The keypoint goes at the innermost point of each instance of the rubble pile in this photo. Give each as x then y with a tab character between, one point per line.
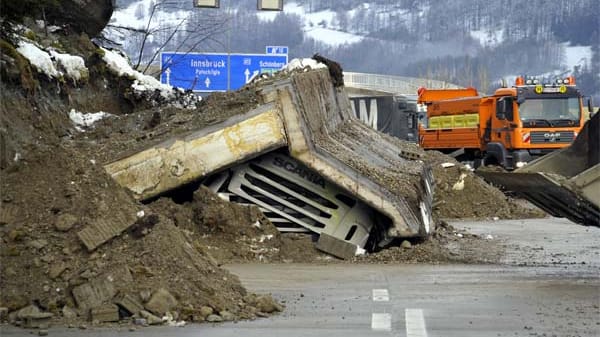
78	249
75	247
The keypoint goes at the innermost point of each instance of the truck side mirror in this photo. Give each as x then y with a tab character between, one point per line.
590	105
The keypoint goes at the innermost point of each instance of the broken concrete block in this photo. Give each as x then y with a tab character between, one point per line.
266	304
214	318
37	244
94	293
27	311
57	269
336	247
150	318
104	229
206	311
105	313
119	275
161	302
406	244
8	214
32	317
65	222
69	313
129	303
226	315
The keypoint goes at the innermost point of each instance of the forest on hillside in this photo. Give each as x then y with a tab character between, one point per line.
425	38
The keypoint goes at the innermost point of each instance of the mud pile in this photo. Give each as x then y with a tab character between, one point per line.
53	187
462	194
165	267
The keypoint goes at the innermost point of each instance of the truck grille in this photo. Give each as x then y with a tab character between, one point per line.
295	198
549	137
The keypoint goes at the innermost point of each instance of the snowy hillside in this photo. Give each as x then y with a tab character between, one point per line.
472	42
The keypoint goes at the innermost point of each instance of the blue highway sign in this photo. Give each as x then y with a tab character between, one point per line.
276	50
244	67
193	71
206	72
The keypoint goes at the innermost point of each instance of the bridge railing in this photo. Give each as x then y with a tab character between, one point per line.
396	84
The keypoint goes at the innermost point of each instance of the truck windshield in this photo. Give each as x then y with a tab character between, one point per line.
551	110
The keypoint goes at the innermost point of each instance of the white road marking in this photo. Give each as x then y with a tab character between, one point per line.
415	323
380	295
381	322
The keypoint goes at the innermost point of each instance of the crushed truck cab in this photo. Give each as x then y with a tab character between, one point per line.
305	120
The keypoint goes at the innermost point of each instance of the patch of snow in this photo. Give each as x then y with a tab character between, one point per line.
321	26
144	84
40	59
333	37
576	55
288	8
50	62
128	16
86	119
488	38
303	64
73	65
141	82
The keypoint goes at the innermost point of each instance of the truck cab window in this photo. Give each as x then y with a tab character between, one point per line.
504	108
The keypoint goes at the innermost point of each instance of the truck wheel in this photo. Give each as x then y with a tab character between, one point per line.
490	161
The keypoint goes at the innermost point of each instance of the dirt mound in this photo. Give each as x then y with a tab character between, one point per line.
58	213
54	190
460	193
446	245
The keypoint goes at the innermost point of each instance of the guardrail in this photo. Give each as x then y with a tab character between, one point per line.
394	84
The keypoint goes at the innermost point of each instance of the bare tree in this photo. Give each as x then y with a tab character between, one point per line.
181	35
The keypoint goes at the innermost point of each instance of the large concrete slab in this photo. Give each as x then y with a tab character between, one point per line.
313	119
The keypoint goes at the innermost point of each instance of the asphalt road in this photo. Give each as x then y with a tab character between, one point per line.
547	285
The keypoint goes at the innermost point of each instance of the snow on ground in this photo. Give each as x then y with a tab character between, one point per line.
72	64
488	38
332	37
320	26
304	63
576	55
53	63
136	16
40	59
86	119
142	82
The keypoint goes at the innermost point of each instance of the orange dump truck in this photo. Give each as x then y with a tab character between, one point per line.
509	128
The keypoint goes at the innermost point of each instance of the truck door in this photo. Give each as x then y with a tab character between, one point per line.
502	126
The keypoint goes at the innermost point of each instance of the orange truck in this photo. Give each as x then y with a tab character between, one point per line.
509	128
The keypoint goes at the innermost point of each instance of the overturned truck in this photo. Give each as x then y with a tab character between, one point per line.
303	159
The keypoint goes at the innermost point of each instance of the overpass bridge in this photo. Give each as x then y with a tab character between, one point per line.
399	85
